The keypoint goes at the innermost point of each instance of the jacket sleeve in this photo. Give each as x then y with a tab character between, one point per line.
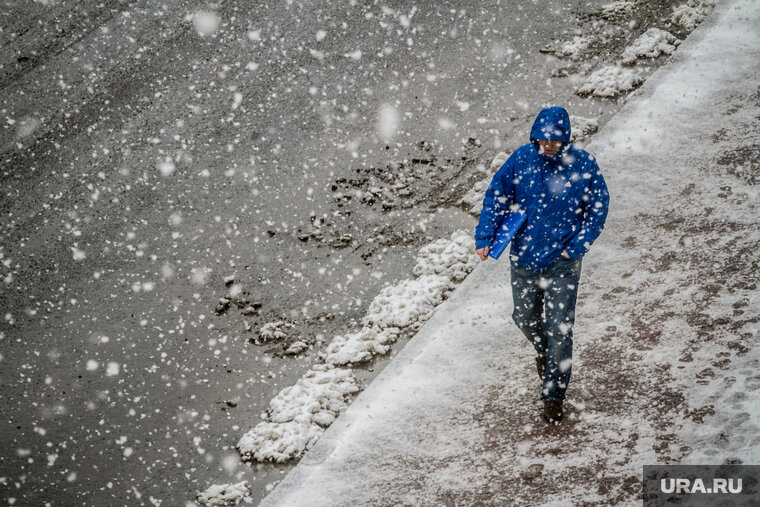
595	206
498	198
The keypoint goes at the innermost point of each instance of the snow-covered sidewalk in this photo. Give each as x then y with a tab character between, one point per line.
666	366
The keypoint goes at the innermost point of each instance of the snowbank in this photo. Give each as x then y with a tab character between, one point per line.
360	346
440	265
453	258
407	303
299	414
610	81
651	44
582	128
692	13
220	495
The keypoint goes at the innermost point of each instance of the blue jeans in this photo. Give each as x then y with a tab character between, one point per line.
544	311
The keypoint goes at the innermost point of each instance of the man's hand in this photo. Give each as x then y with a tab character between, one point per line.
483	252
565	254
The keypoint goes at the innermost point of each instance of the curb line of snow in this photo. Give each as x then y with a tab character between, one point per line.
299	414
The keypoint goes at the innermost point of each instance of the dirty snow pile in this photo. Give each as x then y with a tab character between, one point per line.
575	47
474	197
651	44
296	347
274	330
692	13
221	495
581	128
610	81
617	10
360	346
299	414
453	258
408	304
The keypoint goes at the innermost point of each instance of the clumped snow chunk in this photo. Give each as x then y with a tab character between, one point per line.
651	44
299	414
273	330
220	495
453	258
582	128
407	303
617	10
610	81
166	167
692	13
411	302
575	47
296	348
360	346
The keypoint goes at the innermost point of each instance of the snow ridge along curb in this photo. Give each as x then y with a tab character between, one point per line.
299	414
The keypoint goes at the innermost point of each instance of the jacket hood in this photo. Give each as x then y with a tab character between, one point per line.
552	123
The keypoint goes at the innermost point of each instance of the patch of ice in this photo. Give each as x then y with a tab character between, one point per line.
692	13
610	81
582	128
220	495
651	44
299	414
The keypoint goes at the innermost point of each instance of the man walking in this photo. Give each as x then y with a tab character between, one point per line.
563	193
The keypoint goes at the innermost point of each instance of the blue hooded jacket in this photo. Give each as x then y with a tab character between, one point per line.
565	197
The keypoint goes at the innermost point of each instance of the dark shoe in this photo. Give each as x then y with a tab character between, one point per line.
541	366
553	411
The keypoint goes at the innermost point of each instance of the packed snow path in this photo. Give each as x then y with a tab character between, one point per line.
666	356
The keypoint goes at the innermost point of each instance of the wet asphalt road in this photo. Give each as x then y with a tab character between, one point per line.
144	162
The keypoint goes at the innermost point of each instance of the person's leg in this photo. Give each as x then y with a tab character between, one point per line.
559	311
528	299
